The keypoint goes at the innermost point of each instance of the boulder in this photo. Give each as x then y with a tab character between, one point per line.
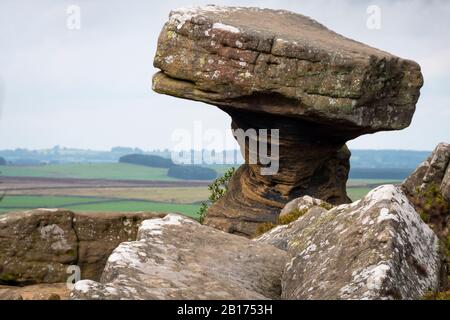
37	246
275	69
281	235
374	248
100	233
302	203
178	258
43	291
428	189
433	171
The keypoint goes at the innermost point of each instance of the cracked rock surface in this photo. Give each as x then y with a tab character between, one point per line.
178	258
37	246
374	248
274	69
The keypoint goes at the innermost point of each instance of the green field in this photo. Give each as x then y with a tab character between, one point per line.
113	171
18	203
357	193
183	200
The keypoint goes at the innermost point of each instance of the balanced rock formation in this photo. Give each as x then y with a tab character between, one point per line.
374	248
37	246
274	69
178	258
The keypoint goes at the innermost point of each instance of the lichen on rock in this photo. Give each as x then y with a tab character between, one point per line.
275	69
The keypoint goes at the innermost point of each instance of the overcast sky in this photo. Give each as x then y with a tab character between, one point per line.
91	88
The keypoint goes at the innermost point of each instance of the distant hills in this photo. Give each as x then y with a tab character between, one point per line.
364	159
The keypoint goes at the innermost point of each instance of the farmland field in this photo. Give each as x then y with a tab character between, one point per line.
16	203
116	187
113	171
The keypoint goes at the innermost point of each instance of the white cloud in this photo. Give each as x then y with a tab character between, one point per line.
60	86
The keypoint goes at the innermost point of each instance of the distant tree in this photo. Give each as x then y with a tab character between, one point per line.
147	160
190	172
2	161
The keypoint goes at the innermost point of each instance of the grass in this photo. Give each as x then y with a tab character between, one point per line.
18	203
364	182
357	193
182	195
114	171
39	201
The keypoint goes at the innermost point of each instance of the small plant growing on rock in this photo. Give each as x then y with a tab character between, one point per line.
287	218
217	188
291	216
432	207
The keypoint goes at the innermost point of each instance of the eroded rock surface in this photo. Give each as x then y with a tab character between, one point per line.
302	203
428	189
53	291
375	248
274	69
435	170
37	246
178	258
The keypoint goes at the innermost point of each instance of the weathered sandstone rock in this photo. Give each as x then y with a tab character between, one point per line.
274	69
302	203
375	248
178	258
433	171
43	291
281	235
100	233
37	246
428	189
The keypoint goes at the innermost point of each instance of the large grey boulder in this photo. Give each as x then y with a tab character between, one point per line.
178	258
375	248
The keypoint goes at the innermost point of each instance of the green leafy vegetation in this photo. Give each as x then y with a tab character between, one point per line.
432	206
217	189
435	211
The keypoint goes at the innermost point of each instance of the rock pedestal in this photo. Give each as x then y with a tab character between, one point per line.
274	69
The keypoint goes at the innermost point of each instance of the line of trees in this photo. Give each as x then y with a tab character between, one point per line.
185	172
2	161
147	160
